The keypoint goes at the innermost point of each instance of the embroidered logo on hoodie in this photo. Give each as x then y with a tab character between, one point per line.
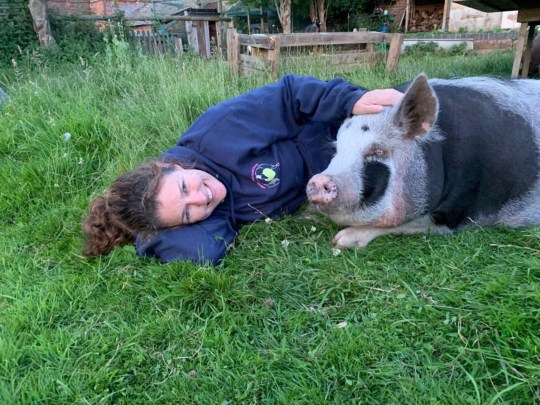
265	175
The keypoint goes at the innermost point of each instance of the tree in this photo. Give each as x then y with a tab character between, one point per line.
38	10
284	14
317	11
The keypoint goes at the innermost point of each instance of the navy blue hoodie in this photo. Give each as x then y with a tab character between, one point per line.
264	146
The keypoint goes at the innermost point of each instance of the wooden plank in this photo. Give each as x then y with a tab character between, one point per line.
273	55
329	48
529	15
527	51
178	47
219	38
498	5
143	18
289	40
341	58
334	38
192	37
144	41
257	40
392	59
519	49
233	51
254	63
478	5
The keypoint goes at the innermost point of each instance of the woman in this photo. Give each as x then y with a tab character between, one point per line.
244	159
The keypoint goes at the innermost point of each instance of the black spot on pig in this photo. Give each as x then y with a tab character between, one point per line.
488	162
375	179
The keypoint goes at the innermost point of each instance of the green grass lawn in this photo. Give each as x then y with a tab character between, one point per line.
285	319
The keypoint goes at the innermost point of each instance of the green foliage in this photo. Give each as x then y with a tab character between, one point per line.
76	39
344	15
422	47
431	47
285	319
16	32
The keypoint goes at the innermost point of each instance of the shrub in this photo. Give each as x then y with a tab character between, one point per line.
16	31
431	47
76	38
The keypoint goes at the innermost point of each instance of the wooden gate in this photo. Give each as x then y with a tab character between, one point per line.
343	50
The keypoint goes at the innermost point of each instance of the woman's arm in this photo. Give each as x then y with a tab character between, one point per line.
271	113
204	242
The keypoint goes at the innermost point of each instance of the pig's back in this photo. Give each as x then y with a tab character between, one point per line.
490	153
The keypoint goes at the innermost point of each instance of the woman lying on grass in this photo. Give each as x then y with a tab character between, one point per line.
244	159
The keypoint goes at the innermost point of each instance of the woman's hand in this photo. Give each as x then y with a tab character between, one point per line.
373	101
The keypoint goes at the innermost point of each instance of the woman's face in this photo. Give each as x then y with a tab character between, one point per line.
186	196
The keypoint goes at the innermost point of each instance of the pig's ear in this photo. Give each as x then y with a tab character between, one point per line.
417	112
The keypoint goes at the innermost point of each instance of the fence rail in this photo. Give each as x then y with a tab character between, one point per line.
343	50
157	43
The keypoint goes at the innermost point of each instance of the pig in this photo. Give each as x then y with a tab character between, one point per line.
453	153
534	66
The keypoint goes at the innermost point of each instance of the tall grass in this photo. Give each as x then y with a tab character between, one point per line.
414	319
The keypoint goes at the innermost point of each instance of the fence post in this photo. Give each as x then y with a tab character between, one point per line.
233	51
273	55
392	59
146	42
178	48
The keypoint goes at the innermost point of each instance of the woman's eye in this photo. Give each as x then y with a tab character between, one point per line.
184	187
187	216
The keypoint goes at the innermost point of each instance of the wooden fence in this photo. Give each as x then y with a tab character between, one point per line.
152	42
342	50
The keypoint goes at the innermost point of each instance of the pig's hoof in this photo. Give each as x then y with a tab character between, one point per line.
352	238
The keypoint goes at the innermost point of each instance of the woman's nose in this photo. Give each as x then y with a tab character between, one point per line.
197	197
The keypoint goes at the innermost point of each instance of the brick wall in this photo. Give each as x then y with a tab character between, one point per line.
398	9
96	7
68	7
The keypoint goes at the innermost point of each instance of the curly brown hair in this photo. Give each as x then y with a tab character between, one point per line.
127	208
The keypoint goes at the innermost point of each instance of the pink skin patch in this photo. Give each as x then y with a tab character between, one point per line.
426	126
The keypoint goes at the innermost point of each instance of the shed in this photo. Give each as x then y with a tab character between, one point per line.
137	14
528	16
201	28
448	15
259	19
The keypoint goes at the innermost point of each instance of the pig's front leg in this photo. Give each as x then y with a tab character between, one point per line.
356	236
360	236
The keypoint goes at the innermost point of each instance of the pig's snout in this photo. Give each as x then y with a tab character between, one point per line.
321	190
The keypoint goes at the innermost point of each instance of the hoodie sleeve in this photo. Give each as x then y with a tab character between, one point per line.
272	113
204	242
311	99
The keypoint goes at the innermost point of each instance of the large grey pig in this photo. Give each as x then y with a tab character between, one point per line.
453	153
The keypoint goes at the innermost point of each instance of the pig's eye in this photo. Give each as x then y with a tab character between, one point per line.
376	152
365	128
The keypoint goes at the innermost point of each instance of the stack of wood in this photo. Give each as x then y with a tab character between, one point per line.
426	19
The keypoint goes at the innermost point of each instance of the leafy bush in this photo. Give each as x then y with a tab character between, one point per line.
76	38
16	32
431	47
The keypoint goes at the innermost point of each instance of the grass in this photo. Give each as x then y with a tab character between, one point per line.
409	319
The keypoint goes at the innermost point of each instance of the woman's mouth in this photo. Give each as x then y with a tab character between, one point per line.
209	194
